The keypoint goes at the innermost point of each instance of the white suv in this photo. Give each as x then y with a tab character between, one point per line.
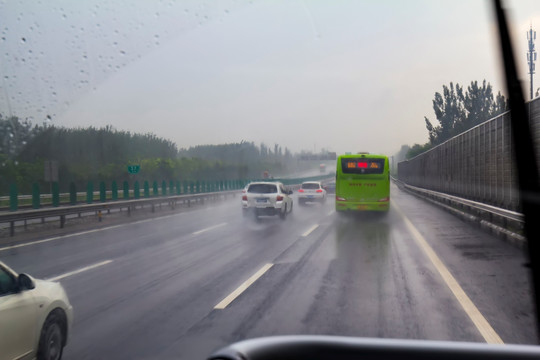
311	191
35	317
266	198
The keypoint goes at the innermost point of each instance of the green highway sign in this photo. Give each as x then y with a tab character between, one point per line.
133	169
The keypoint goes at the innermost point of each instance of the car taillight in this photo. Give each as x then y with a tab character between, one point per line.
339	198
244	197
300	190
279	198
386	199
319	191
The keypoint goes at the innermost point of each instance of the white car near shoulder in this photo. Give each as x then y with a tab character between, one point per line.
35	317
266	198
311	191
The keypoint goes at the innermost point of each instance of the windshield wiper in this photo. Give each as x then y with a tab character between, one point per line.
525	156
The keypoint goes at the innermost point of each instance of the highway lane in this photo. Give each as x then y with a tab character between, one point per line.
325	274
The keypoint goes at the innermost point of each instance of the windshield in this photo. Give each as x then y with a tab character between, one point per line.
262	188
130	132
311	186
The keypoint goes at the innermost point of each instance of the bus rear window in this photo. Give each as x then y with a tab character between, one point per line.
362	166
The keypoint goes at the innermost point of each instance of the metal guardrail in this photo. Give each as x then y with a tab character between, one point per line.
49	196
96	194
62	211
507	222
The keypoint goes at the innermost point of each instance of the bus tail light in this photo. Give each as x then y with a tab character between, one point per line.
339	198
319	191
300	190
279	198
244	197
386	199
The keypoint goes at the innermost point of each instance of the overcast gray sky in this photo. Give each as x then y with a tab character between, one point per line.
341	75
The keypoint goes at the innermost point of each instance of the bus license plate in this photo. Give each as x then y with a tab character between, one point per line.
362	207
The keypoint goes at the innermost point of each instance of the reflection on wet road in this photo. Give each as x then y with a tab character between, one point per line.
317	272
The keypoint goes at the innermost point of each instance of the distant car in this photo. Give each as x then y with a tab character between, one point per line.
330	188
311	191
266	198
35	317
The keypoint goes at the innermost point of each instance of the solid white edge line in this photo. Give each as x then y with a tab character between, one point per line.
232	296
310	230
209	228
483	326
89	267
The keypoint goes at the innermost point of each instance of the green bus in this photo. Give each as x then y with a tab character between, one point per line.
362	183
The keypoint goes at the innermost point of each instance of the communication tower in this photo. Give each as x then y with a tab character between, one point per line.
531	55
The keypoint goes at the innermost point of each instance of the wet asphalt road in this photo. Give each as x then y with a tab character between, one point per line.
327	274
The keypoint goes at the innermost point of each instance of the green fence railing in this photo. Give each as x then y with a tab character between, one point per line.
156	189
